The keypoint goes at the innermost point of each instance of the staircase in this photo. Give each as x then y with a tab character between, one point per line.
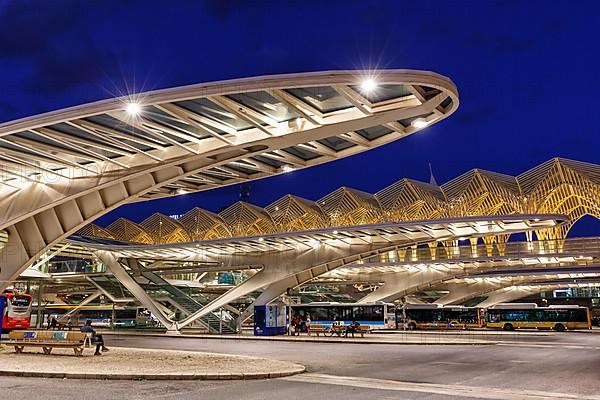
184	302
111	286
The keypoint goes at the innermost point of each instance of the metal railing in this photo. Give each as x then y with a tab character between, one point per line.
576	247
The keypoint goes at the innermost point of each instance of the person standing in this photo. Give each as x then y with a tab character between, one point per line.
308	324
48	322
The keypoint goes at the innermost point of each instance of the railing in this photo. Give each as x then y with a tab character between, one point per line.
78	267
111	286
576	247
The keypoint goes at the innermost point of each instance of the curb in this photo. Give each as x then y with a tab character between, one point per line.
156	377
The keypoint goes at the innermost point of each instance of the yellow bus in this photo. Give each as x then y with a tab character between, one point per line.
434	316
510	316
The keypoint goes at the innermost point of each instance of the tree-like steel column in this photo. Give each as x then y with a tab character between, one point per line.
127	280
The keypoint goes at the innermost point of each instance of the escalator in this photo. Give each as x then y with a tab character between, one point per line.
110	286
157	286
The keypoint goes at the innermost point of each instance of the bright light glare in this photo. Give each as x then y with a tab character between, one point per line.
420	123
182	191
368	85
313	243
133	108
287	168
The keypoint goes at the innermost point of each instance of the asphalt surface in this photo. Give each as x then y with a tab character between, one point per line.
542	365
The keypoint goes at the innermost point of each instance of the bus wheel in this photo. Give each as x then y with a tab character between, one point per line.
559	328
412	326
508	327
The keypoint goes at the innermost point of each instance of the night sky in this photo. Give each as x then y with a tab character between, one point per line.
527	73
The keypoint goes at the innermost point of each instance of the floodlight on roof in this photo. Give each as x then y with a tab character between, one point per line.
368	85
420	123
133	108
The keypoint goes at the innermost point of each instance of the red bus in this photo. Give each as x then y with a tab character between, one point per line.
16	311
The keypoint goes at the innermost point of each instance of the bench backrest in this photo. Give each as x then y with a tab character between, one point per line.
58	336
78	336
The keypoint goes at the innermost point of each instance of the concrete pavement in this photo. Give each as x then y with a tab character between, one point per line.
541	366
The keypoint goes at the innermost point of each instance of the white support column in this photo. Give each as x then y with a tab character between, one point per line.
85	302
413	300
126	280
399	284
462	292
506	295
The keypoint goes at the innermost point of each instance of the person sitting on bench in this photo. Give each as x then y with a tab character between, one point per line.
97	339
352	328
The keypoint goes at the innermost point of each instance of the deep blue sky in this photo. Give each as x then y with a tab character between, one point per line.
527	73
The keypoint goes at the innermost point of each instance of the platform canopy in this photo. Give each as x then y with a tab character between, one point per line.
61	170
384	234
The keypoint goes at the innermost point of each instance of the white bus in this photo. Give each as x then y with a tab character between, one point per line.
377	315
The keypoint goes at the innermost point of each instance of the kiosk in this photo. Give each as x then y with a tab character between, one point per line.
270	320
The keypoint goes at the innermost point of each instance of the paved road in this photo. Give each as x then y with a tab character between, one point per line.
527	366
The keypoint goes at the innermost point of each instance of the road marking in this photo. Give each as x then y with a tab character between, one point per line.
520	361
450	363
539	342
436	388
548	346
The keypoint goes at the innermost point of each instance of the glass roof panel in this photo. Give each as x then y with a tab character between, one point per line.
264	103
302	153
78	133
170	121
336	143
214	175
407	121
208	109
446	102
430	92
240	168
110	122
269	161
43	140
323	98
374	132
384	92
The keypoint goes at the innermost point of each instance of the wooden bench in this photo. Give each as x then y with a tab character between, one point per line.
318	329
339	330
48	340
360	330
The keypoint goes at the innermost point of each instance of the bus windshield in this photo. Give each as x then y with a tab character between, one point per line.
20	301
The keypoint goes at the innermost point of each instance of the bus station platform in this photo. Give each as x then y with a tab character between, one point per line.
142	364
